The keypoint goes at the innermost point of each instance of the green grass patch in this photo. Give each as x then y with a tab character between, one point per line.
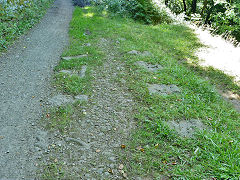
59	118
53	170
213	153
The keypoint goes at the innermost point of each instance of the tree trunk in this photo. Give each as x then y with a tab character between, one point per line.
204	7
184	5
194	6
166	2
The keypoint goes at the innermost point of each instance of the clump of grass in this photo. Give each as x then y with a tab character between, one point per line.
53	170
59	118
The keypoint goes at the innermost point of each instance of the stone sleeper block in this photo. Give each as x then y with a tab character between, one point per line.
81	97
83	71
67	58
149	67
66	71
60	99
77	141
144	53
186	128
134	52
163	89
87	44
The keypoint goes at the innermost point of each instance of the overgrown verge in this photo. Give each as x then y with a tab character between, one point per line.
156	151
163	151
18	16
222	16
140	10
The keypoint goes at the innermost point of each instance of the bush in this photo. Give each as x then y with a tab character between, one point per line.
140	10
227	22
16	16
222	16
81	3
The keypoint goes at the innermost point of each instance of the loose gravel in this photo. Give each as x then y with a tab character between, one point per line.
25	72
90	148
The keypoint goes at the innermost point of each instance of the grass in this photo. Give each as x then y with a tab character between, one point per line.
212	153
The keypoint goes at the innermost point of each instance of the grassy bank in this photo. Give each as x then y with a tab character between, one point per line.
17	17
156	151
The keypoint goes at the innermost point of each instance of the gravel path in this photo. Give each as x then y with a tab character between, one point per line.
107	124
90	149
25	71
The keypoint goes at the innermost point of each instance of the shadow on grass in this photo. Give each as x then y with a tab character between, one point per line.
216	77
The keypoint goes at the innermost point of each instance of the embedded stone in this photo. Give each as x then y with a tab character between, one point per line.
60	99
186	128
87	32
87	44
83	71
144	53
81	97
149	67
67	58
66	71
134	52
122	39
163	89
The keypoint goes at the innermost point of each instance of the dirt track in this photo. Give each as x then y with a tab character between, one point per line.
25	71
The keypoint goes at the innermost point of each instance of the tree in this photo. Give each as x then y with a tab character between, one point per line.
184	6
194	6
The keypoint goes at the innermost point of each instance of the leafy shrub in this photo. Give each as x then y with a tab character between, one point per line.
141	10
223	16
146	11
227	21
81	3
16	16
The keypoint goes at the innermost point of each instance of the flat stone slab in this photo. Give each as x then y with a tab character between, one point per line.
83	71
81	74
66	71
149	67
77	141
87	44
67	58
144	53
186	128
163	89
60	99
81	97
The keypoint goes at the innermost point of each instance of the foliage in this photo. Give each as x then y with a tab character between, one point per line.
227	21
16	16
223	16
141	10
